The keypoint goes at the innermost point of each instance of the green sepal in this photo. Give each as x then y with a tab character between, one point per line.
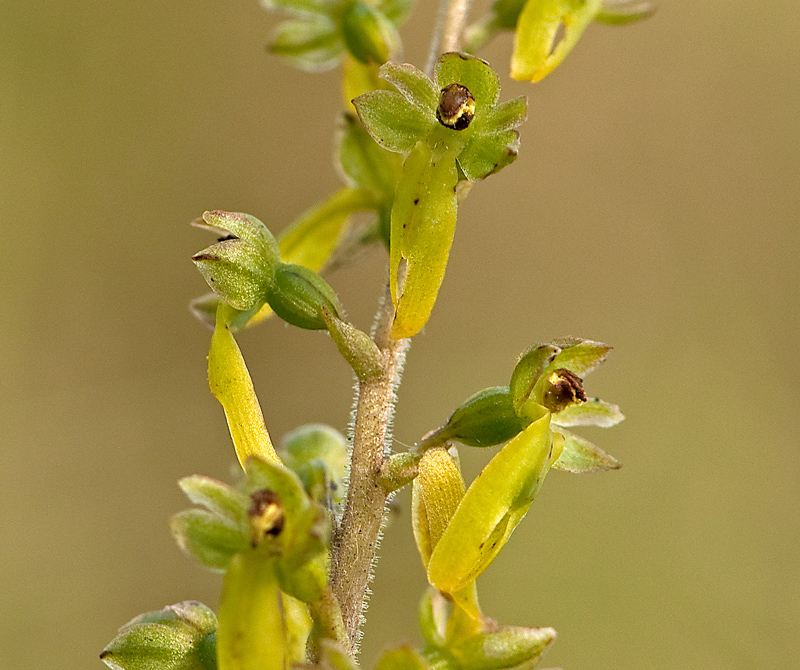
218	498
205	309
622	12
403	658
433	618
392	121
365	163
298	295
423	223
580	356
492	507
506	13
305	581
535	55
316	449
471	72
580	456
178	637
485	155
485	419
311	44
333	656
316	441
368	35
243	226
508	647
297	618
233	269
252	631
395	10
298	7
505	116
593	412
527	372
208	538
240	267
412	83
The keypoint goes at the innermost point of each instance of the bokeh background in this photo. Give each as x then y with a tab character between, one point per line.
654	206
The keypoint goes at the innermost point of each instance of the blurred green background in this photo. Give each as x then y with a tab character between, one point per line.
654	206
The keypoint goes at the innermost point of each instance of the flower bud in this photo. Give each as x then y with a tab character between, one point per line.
298	295
369	35
179	637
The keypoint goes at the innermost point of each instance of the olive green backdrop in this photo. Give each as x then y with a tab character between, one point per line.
654	206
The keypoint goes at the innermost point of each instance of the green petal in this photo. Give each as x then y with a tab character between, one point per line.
404	658
528	371
507	12
207	538
508	647
580	356
488	154
536	52
412	83
300	7
505	116
579	455
244	226
395	10
471	72
432	618
217	497
622	12
394	122
594	412
493	506
365	163
312	45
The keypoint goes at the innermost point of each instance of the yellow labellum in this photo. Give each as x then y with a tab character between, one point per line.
230	383
492	507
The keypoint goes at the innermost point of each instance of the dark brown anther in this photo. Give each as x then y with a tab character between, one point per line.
456	107
266	516
563	388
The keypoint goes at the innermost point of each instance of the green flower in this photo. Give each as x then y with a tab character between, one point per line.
320	32
545	31
544	398
450	128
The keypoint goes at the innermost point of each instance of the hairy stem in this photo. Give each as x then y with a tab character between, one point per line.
357	540
449	27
